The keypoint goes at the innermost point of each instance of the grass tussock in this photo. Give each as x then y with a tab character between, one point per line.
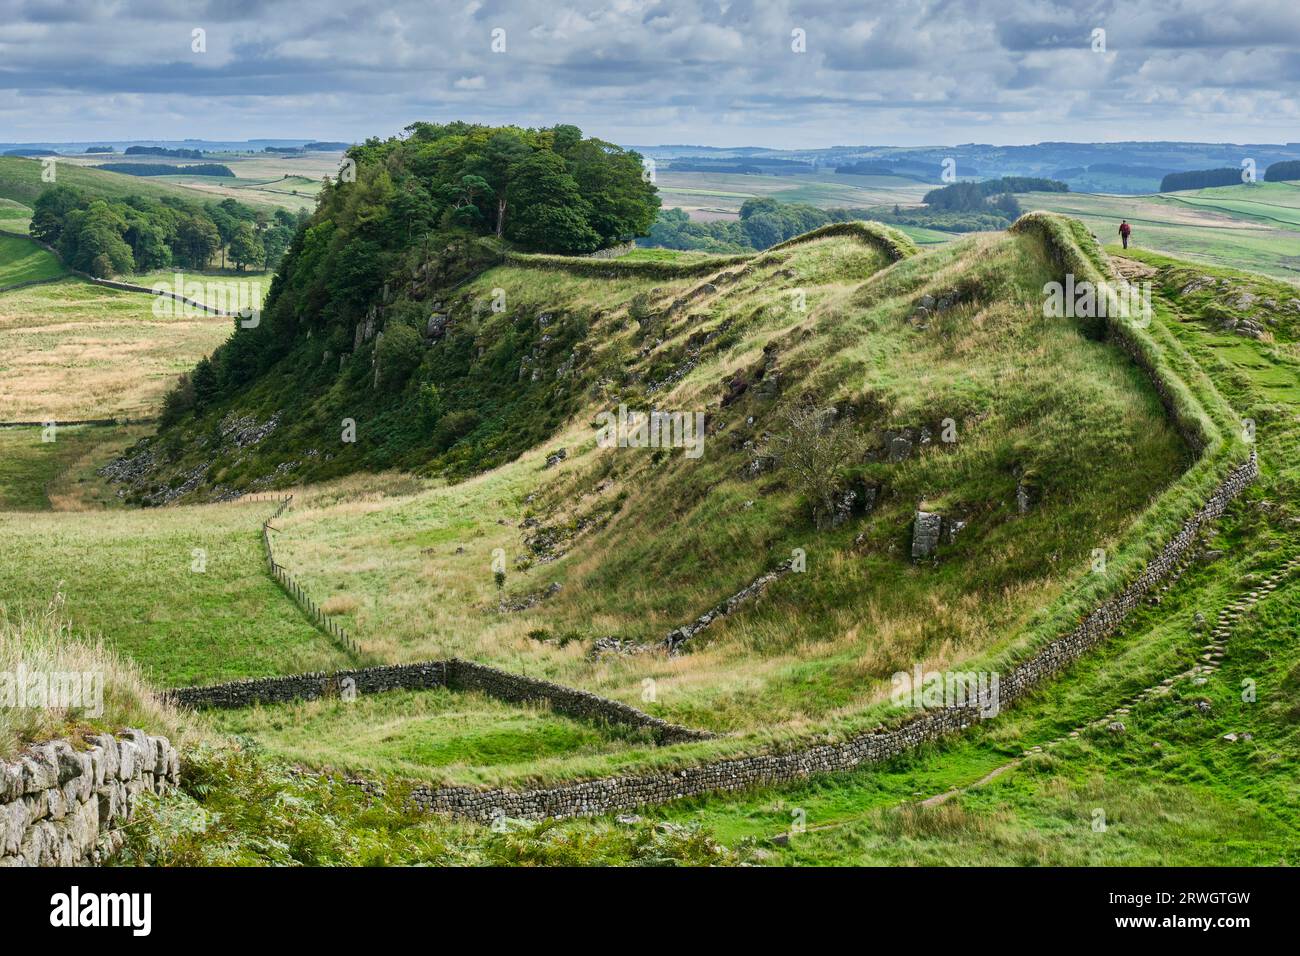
339	604
56	684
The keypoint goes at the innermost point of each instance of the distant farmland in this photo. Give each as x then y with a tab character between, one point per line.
1254	227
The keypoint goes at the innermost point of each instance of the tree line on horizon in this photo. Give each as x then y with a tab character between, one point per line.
1283	171
167	169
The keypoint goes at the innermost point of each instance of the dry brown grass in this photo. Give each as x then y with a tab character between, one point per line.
340	604
72	350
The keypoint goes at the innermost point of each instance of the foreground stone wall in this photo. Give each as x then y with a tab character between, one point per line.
65	806
454	674
593	797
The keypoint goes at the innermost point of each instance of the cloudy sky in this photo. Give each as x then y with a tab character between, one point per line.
716	72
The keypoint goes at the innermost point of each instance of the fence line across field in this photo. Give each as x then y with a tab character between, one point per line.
296	591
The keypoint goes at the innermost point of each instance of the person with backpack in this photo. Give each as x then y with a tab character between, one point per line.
1124	231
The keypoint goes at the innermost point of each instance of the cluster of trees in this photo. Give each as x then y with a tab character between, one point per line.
548	190
165	151
991	195
1227	176
998	215
674	229
1283	172
167	169
432	196
762	223
1201	179
140	234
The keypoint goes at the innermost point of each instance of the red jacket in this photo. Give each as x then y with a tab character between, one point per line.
1125	229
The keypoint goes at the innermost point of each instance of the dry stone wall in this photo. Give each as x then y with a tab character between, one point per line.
515	688
612	252
592	797
679	636
454	674
64	806
312	686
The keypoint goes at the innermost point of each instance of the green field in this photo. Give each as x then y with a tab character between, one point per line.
24	261
14	217
135	578
456	737
261	180
1254	227
20	180
37	475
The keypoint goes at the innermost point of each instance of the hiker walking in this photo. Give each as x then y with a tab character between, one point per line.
1124	230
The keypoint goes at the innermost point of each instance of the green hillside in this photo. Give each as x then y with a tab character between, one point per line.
25	261
642	540
1039	409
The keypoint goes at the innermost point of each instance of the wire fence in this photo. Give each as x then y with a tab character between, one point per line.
296	590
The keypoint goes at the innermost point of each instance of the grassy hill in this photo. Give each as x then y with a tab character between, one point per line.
1171	788
1059	446
1040	408
23	261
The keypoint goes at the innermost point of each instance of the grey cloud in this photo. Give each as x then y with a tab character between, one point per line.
646	70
